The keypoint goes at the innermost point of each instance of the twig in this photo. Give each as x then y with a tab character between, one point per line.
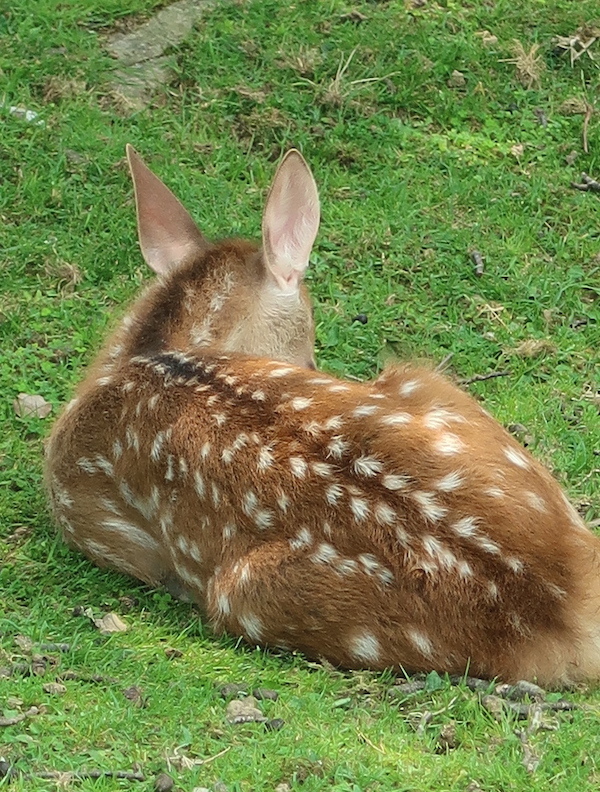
482	377
10	771
477	259
588	114
588	184
441	366
82	775
364	738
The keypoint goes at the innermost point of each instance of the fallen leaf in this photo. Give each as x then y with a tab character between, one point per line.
487	39
517	150
110	623
54	689
244	711
534	347
26	405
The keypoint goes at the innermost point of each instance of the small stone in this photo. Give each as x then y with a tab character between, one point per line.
447	738
163	783
521	690
135	694
457	80
283	788
265	694
362	318
219	786
110	623
244	711
171	654
494	705
233	689
54	689
275	724
24	642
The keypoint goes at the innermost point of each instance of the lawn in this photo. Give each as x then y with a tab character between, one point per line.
444	138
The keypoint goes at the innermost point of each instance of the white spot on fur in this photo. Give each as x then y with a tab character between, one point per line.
516	457
249	502
280	372
199	485
153	401
194	552
226	455
347	566
396	419
450	482
252	626
220	418
302	539
487	545
324	554
322	469
169	475
421	642
133	440
536	502
439	552
215	493
205	450
430	509
448	444
367	466
259	395
117	449
365	646
364	410
394	482
86	465
298	466
71	404
223	604
337	447
439	418
493	589
466	526
338	388
360	508
515	564
282	501
229	531
495	492
333	494
263	518
333	423
384	514
300	403
265	458
407	388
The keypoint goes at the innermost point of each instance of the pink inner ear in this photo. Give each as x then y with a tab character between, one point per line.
167	233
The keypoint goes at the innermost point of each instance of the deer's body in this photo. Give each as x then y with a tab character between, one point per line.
391	523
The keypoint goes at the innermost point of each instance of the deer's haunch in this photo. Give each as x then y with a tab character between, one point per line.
391	523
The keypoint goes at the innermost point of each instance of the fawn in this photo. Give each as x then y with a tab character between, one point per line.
384	524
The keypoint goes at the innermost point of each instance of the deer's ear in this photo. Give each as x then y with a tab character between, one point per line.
166	231
290	221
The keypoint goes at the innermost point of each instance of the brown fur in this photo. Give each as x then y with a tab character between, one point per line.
391	523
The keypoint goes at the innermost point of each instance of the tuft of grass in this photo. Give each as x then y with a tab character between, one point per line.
416	170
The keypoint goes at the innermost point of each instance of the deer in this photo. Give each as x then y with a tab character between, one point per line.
385	524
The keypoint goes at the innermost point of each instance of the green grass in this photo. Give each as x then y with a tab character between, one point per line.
413	174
